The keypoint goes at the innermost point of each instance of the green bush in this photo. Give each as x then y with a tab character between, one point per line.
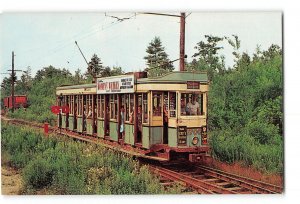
231	146
262	132
38	173
67	167
246	114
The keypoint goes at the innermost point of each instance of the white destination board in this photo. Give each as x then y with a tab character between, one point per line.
122	84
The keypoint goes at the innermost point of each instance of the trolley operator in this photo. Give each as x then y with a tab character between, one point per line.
193	108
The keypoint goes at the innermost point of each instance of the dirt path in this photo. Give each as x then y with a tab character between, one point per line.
11	181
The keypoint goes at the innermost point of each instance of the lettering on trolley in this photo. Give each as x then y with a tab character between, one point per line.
182	134
193	85
204	136
123	84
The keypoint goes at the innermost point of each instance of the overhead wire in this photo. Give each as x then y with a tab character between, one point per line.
60	47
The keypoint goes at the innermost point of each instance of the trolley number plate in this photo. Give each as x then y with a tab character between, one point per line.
182	135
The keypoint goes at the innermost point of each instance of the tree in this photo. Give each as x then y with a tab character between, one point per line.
106	72
24	85
273	51
244	62
78	77
6	87
95	67
115	71
207	53
236	44
157	59
51	72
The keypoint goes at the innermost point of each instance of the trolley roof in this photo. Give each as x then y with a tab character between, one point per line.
175	77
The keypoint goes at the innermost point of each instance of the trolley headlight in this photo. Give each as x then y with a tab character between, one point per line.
195	140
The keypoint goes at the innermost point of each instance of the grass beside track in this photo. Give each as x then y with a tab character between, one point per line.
59	165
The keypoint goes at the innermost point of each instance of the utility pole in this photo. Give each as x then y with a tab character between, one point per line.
13	82
13	75
182	42
182	55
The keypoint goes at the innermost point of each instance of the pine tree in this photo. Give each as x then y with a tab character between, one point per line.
157	59
95	67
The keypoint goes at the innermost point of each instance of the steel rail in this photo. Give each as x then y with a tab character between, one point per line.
197	184
248	183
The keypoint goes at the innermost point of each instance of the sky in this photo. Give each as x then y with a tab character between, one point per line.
41	39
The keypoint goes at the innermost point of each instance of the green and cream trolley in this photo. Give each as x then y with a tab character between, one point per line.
162	116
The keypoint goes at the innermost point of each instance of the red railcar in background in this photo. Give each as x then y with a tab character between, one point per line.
20	101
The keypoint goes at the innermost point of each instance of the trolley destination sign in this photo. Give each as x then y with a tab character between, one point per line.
122	84
193	84
182	135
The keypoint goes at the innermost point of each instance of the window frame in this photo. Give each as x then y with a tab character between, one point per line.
113	102
175	104
201	103
145	94
160	103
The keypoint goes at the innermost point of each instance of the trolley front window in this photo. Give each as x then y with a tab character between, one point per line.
191	104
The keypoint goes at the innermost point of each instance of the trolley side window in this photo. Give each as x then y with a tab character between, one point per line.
191	104
98	105
145	108
71	105
157	104
131	108
126	106
172	104
113	106
89	110
79	105
75	105
102	109
111	102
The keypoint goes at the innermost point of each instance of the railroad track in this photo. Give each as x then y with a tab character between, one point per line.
201	179
206	180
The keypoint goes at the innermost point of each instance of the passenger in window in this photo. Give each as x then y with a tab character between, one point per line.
89	115
107	118
145	118
122	122
183	107
165	115
194	106
188	107
131	117
84	113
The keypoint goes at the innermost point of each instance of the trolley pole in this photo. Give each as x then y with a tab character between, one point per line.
182	41
82	53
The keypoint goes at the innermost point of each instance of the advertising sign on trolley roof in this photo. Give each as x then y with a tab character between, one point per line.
114	85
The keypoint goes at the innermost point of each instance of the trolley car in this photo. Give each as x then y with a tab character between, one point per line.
163	117
19	101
